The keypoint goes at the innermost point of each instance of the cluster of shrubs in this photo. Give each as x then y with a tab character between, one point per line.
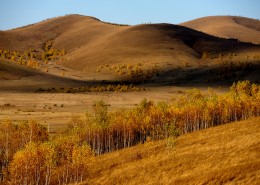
26	58
99	88
51	53
31	57
133	72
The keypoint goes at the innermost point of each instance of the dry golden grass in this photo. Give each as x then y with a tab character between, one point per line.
247	30
227	154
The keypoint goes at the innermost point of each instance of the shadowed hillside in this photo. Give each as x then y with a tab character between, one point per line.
241	28
15	77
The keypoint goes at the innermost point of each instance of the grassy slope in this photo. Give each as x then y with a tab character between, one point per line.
226	154
244	29
90	42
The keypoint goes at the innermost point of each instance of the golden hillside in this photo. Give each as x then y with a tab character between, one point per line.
227	154
241	28
90	42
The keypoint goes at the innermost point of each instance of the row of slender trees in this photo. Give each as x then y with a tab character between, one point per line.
106	132
28	155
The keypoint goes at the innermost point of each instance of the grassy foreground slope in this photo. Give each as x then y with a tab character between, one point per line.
227	154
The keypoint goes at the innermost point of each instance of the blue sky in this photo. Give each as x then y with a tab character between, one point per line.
16	13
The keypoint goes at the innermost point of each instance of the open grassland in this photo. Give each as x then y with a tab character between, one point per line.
227	154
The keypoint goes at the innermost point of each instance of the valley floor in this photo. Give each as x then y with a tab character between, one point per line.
56	109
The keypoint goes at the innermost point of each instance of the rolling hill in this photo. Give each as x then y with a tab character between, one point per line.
241	28
90	43
227	154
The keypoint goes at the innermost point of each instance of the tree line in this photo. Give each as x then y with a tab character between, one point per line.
109	131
